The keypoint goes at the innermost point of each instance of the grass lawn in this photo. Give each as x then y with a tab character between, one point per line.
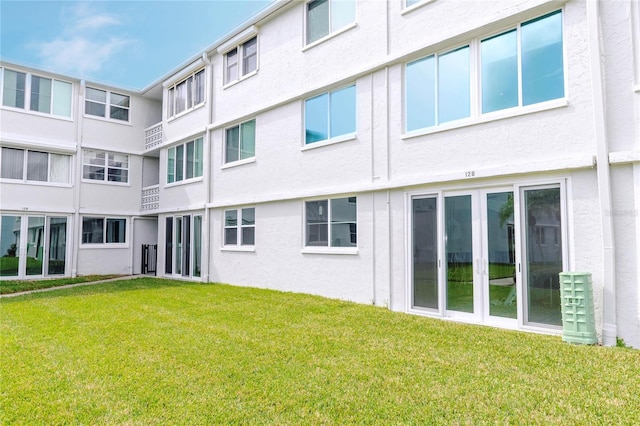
16	286
150	351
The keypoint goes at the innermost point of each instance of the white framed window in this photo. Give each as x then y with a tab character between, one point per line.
324	17
331	222
105	166
240	142
519	67
104	230
241	61
186	94
106	104
240	227
330	115
36	93
184	161
34	166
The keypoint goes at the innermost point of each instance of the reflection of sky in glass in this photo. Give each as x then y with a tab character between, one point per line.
453	85
499	72
542	64
316	118
420	97
343	111
342	13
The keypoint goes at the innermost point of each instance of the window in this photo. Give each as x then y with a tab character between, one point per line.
240	142
519	67
35	166
105	166
46	95
412	2
183	245
438	89
102	103
330	115
327	16
101	230
186	94
184	161
243	233
241	60
331	223
531	74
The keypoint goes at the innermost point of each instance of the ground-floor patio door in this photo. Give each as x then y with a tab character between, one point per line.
183	245
475	259
33	245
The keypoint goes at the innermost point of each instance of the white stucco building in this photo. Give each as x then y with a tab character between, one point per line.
438	157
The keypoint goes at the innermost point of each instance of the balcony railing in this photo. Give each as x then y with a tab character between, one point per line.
151	198
153	136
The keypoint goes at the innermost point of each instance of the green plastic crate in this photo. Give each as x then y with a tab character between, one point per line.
578	318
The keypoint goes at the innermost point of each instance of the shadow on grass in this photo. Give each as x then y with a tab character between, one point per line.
90	288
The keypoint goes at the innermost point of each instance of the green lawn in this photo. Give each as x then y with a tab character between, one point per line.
150	351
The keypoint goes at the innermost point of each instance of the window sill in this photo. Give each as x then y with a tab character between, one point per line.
241	79
36	183
320	144
105	182
94	246
415	6
487	118
107	120
37	113
329	36
186	112
238	163
245	249
636	88
184	182
330	250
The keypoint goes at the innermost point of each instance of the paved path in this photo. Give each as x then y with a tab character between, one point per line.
40	290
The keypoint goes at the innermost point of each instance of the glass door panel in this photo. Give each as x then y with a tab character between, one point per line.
35	245
543	254
459	253
178	245
57	245
9	245
500	254
425	252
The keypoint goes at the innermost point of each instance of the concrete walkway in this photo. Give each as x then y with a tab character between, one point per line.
40	290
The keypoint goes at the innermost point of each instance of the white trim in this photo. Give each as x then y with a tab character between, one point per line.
486	118
330	141
57	147
636	87
183	73
239	38
622	157
407	9
241	78
186	111
330	250
244	249
327	37
242	162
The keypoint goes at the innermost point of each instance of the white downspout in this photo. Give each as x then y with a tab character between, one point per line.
609	327
207	162
76	235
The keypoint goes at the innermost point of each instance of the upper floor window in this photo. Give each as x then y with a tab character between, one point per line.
327	16
240	227
523	66
241	60
104	230
35	166
330	115
105	166
519	67
331	223
184	161
45	95
438	89
106	104
240	142
186	94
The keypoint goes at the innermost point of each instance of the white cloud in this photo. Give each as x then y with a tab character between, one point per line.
85	42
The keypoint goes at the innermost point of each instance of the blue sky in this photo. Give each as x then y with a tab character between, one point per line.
129	44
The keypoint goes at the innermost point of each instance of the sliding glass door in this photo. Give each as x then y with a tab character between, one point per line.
493	257
183	245
32	245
